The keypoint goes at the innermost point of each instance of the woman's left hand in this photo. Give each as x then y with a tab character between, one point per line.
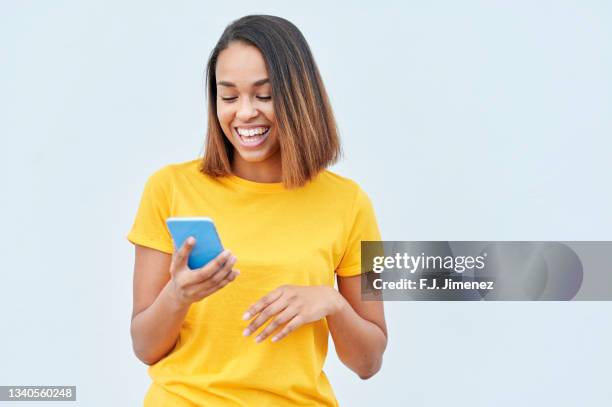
292	306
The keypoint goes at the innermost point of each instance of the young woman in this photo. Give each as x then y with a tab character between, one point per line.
212	338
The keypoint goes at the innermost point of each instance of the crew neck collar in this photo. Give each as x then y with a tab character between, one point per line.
254	186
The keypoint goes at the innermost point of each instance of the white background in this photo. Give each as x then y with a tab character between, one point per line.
471	120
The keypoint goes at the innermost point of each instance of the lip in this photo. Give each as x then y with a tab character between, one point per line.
251	126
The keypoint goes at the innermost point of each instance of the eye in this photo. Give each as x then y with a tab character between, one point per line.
264	97
229	99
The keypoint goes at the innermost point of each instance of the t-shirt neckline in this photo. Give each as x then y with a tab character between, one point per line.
253	185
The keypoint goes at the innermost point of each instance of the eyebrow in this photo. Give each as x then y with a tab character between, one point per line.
233	85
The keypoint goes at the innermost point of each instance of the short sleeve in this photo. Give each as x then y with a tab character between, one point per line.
362	227
149	228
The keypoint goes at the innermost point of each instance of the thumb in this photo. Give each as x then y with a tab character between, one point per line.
183	253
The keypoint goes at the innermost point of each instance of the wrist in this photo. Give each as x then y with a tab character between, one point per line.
337	302
173	298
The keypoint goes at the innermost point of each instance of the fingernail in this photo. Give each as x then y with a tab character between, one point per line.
274	338
246	316
258	339
190	240
246	332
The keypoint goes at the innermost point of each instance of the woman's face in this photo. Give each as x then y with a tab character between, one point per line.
244	103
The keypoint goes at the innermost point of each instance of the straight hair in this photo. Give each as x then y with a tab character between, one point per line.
305	123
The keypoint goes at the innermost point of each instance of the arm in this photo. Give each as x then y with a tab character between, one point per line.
358	329
164	289
157	315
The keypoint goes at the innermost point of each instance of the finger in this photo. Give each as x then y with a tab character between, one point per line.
235	273
208	290
294	324
231	277
267	313
277	322
220	275
182	255
262	303
211	280
212	267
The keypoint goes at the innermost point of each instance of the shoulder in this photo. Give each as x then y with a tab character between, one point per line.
164	182
169	173
342	186
330	179
358	213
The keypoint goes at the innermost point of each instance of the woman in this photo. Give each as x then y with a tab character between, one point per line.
289	223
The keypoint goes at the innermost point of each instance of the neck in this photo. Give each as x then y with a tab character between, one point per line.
267	171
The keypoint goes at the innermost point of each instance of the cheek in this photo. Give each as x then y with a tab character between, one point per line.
269	113
225	116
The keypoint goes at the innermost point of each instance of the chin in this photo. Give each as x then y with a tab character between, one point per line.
254	158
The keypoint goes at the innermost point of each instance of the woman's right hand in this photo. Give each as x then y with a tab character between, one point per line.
189	286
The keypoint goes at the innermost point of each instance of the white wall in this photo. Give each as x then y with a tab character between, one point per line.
462	120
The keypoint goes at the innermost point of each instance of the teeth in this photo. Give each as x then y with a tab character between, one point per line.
253	139
251	132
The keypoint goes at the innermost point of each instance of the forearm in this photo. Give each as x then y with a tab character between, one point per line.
156	329
359	343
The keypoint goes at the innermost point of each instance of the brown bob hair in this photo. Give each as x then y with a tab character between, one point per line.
307	131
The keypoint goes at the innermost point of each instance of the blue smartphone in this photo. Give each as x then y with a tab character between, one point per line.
207	246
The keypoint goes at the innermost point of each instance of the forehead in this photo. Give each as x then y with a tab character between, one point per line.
241	63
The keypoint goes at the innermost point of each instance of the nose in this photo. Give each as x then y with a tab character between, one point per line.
246	110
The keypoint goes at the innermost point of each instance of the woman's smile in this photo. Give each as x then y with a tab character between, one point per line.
252	137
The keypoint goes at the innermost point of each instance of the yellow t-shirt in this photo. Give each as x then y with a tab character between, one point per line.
279	236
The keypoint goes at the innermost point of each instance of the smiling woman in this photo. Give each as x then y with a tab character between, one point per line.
287	222
262	73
